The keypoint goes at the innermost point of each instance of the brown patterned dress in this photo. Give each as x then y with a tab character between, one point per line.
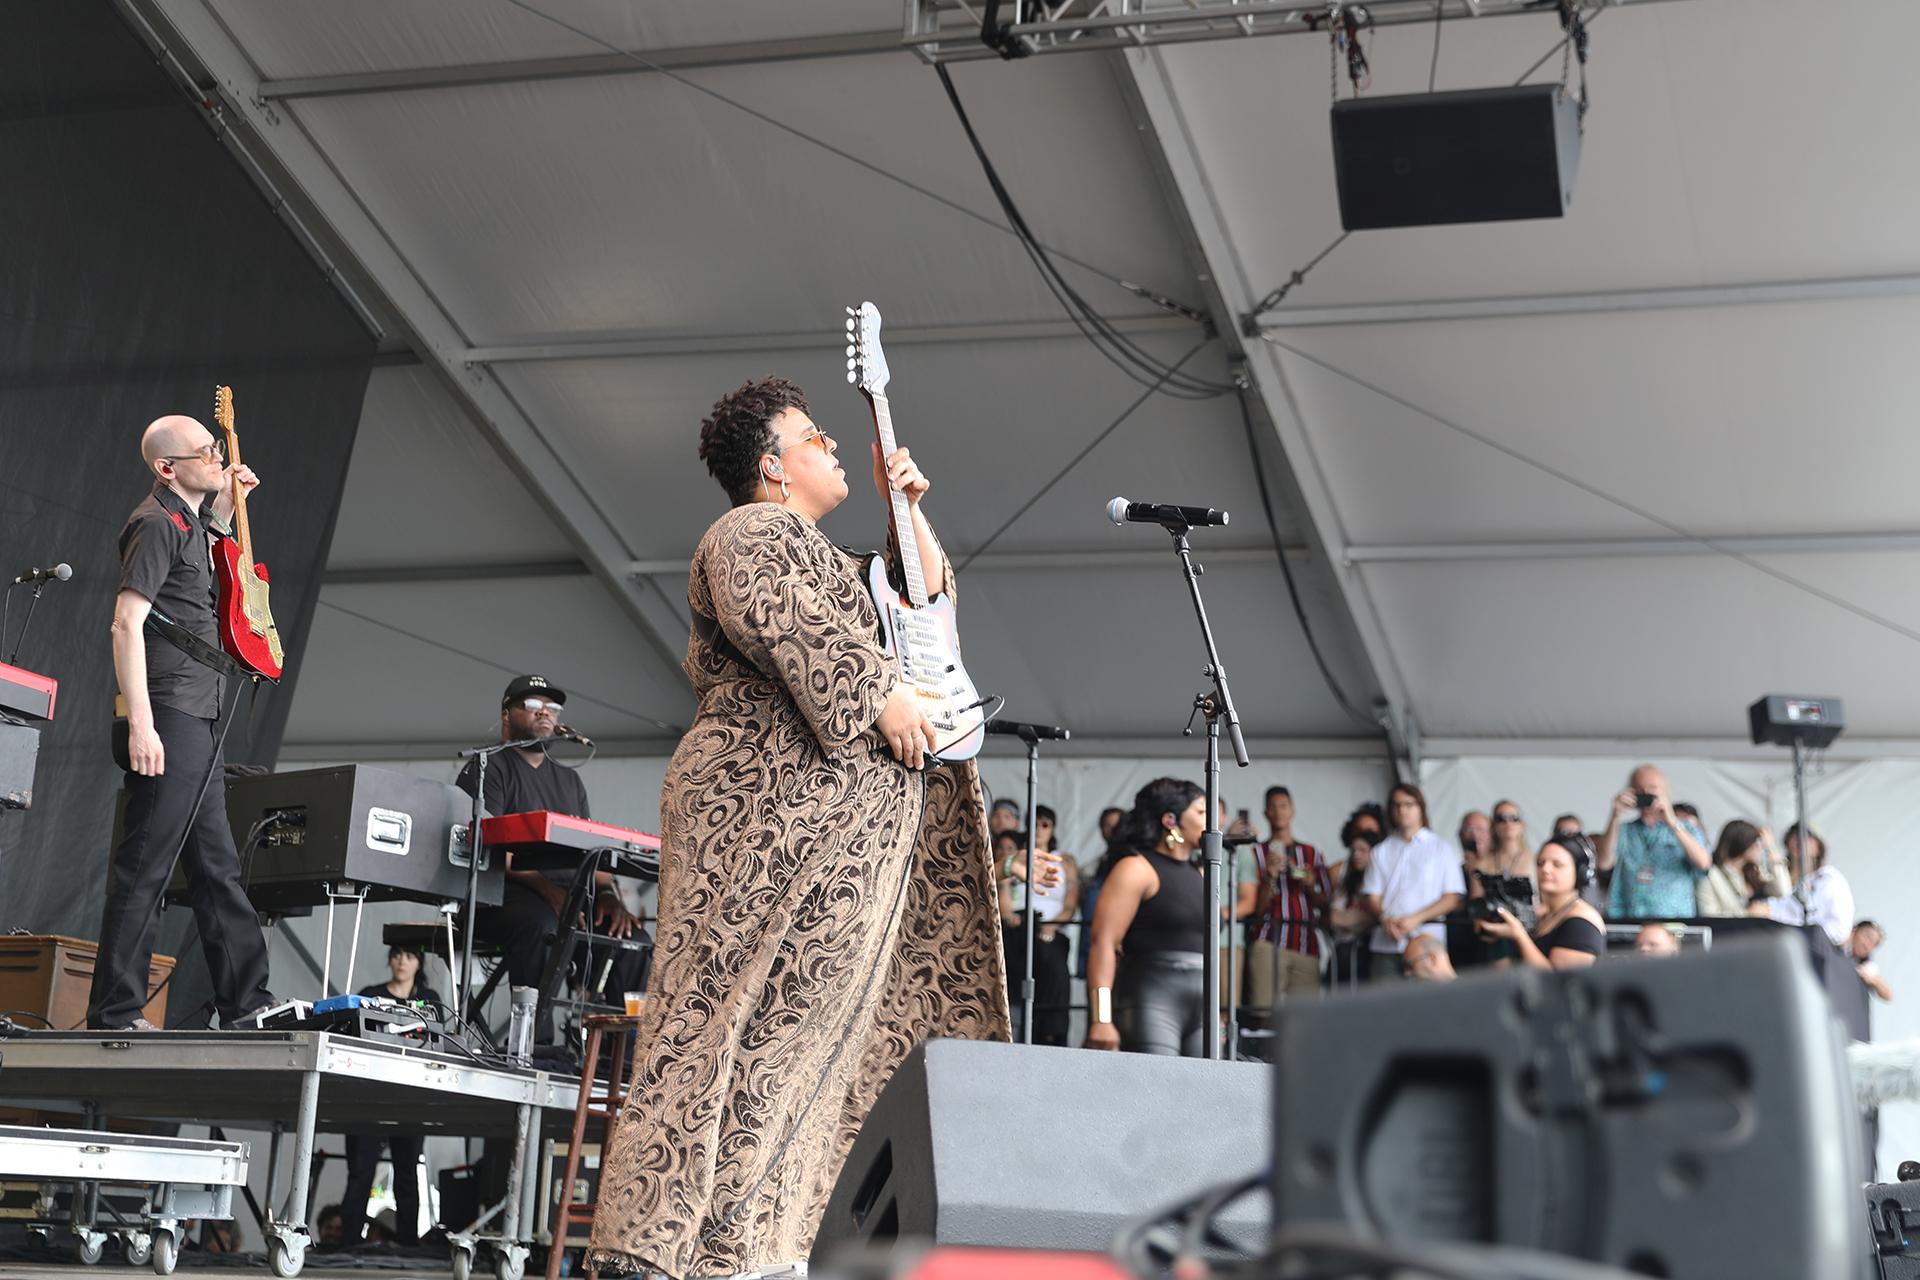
823	909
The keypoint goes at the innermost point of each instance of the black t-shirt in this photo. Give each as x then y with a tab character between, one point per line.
1575	934
515	786
164	556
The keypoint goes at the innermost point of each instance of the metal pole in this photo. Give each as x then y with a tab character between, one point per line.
1027	925
1210	851
1805	874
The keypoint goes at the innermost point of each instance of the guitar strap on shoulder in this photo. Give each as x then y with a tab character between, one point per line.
715	637
193	646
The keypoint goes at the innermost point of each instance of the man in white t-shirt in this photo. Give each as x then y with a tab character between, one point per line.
1413	882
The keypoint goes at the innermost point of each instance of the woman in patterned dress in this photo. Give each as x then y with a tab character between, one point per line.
825	904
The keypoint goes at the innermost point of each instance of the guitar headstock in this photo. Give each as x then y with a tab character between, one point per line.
223	408
866	362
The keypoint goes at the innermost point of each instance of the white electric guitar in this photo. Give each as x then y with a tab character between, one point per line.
922	634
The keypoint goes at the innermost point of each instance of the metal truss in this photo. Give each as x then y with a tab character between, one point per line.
951	30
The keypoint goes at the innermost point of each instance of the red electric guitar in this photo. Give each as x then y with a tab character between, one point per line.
247	632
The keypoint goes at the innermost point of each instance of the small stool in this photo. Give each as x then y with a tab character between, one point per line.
601	1029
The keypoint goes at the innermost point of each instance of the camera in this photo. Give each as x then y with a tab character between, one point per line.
1644	799
1515	893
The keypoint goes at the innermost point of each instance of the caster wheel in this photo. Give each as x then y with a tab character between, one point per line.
166	1253
285	1259
462	1264
88	1249
139	1249
508	1266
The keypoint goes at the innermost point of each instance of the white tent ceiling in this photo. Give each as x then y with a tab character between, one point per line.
583	262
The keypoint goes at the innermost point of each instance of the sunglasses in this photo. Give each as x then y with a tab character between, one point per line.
818	437
212	451
1506	817
538	704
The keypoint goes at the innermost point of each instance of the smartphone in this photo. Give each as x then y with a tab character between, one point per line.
1244	818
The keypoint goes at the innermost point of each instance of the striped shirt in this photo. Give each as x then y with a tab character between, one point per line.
1290	919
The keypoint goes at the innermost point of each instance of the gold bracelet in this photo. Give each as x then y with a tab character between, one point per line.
1103	1004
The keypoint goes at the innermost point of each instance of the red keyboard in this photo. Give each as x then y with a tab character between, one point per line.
27	693
540	838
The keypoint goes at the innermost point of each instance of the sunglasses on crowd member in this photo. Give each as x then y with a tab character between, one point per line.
1506	817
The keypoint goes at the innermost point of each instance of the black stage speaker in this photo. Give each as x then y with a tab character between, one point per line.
398	835
1684	1116
976	1143
1475	155
1893	1229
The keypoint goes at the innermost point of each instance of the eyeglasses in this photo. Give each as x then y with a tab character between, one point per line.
211	451
819	437
538	704
1506	817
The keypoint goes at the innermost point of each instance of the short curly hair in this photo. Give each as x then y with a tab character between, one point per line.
741	429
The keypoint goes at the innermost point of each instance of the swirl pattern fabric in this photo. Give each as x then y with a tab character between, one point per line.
822	911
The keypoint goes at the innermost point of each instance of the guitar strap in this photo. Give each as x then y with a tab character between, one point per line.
714	636
193	646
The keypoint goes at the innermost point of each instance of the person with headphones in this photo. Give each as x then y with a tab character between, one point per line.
1570	933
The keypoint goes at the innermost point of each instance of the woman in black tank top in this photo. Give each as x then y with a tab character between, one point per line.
1145	967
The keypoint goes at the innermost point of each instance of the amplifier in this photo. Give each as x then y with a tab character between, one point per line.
396	835
19	753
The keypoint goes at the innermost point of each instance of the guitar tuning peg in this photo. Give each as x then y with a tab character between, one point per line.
849	351
851	366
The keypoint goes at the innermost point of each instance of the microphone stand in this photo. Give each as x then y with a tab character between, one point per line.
1216	705
1027	926
480	756
32	604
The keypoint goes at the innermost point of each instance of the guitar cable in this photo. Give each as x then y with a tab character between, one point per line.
999	703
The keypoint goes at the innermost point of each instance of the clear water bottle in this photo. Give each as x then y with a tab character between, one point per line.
520	1024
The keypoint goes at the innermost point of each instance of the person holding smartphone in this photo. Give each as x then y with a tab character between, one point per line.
1656	858
1283	957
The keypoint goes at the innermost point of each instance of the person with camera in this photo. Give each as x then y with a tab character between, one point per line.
1569	933
1654	856
1413	883
1828	898
1295	889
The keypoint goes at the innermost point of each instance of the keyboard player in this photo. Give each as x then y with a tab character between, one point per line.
527	779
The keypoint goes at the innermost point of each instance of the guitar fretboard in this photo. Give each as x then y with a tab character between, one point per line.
902	516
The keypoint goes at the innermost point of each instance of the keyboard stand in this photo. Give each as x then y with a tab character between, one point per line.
569	937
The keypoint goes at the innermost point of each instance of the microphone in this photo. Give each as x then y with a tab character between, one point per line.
571	735
1235	842
1029	732
1120	511
59	573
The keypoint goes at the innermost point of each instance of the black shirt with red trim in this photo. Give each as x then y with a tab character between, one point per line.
165	556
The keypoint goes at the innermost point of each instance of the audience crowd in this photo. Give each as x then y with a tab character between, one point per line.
1394	901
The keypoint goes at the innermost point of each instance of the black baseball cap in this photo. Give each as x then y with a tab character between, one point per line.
527	686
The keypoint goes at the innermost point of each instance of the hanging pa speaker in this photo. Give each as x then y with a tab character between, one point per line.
1473	155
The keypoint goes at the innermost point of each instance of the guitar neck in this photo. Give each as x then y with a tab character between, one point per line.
241	533
900	515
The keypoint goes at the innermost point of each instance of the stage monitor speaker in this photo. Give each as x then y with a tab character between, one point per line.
1628	1114
1474	155
1027	1146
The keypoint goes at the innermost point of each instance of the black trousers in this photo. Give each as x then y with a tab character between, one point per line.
1159	1003
158	812
1052	983
363	1153
523	926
